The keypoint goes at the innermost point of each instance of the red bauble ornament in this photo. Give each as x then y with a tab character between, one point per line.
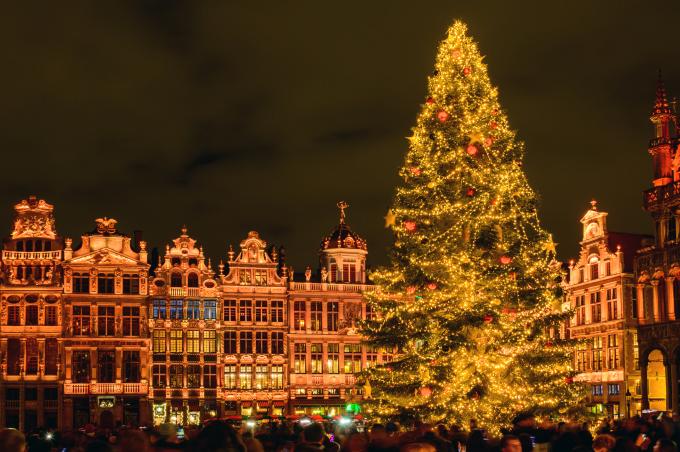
569	380
488	141
472	150
410	225
495	111
442	115
493	202
470	192
548	344
430	100
505	260
488	318
415	171
432	286
467	71
493	124
425	391
411	290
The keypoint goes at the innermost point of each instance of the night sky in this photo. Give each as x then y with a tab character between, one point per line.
230	118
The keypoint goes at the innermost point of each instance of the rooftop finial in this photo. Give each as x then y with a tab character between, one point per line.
593	205
342	205
184	229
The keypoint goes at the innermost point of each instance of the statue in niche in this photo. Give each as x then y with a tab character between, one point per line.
324	275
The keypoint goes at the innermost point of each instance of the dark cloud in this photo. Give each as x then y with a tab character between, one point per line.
231	116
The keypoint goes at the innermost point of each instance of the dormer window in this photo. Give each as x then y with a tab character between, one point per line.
594	264
175	261
193	262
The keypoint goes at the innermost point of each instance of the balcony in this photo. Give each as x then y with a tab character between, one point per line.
657	197
332	287
31	255
105	388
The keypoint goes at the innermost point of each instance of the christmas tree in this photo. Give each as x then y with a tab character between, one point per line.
471	301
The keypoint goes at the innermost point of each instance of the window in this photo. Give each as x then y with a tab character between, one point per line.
597	390
594	270
300	363
261	342
81	320
581	278
209	341
192	341
176	376
277	377
581	357
13	352
597	353
192	280
230	342
316	316
14	315
209	309
81	283
260	277
31	356
277	343
246	311
636	352
106	319
130	284
613	389
246	341
612	351
106	366
277	311
261	311
80	366
371	356
193	376
299	312
229	310
51	353
333	361
158	342
245	376
612	304
244	277
159	309
176	309
176	279
130	321
332	316
634	301
105	283
334	271
176	341
580	309
230	376
317	358
193	309
159	376
352	356
595	307
50	315
607	268
261	377
209	376
131	367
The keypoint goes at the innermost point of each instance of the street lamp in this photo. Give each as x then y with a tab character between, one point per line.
628	395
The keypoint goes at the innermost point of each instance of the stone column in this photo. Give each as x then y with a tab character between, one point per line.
308	314
118	357
670	301
655	300
640	301
644	385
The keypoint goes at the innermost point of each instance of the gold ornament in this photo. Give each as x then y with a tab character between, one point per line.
390	219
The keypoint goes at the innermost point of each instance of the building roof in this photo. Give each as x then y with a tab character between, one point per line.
343	236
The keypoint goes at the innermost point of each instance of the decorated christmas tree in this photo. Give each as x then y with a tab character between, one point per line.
470	304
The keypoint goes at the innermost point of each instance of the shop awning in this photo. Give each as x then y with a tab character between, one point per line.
246	403
279	403
263	403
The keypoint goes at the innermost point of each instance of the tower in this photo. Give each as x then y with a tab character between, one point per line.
343	253
660	147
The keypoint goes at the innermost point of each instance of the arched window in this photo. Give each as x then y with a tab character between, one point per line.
193	262
192	280
176	279
594	267
175	261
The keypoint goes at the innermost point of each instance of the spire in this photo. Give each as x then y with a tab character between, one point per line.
661	105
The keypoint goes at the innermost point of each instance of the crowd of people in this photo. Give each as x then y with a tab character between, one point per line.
650	433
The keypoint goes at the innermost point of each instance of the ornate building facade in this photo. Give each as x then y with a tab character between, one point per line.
601	292
94	334
657	267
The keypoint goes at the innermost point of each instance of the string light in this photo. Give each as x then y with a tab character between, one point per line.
472	294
